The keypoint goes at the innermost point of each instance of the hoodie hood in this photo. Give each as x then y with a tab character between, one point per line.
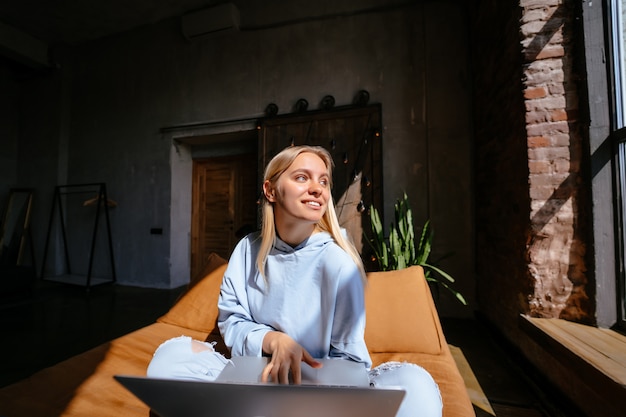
314	242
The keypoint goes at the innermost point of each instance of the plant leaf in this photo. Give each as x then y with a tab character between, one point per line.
424	244
439	271
457	294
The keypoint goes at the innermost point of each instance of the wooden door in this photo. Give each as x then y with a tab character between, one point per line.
224	201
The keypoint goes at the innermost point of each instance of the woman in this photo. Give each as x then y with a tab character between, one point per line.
294	292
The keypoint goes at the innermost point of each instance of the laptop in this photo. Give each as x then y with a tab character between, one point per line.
336	372
237	392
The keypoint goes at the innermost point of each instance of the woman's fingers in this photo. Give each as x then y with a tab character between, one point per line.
287	358
310	360
278	372
283	373
266	372
296	372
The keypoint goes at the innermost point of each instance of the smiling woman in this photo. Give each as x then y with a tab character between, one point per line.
303	299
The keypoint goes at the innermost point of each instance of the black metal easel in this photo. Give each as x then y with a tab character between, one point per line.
101	201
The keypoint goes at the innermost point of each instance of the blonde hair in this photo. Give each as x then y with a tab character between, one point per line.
328	223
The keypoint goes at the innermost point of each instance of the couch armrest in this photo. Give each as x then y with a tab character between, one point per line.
197	308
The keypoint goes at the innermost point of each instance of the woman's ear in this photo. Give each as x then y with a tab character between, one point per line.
269	192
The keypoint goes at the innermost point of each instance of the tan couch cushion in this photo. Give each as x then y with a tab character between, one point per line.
400	313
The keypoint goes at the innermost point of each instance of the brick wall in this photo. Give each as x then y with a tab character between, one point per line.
530	203
556	249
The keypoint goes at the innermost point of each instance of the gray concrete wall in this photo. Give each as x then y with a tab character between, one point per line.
124	89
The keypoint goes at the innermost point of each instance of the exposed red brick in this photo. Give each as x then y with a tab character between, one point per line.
539	167
558	115
556	89
562	165
546	129
538	141
536	92
548	270
537	116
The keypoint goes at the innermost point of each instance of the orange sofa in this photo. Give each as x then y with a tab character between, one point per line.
402	325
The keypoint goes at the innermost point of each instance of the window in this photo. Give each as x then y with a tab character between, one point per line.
617	37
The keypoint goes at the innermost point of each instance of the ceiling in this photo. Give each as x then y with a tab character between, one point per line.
74	22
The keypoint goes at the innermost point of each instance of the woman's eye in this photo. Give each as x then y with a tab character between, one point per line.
324	182
300	178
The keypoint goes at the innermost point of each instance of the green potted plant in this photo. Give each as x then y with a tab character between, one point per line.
401	249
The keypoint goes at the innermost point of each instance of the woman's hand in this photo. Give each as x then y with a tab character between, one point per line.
287	355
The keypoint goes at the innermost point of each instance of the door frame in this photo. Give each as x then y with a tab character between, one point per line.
188	142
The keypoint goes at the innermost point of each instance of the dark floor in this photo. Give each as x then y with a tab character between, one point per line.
53	322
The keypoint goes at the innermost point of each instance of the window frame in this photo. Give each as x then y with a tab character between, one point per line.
618	138
616	65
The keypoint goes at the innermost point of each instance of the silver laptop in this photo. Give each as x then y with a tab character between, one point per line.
237	393
334	372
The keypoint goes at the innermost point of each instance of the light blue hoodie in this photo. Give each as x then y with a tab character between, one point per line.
313	293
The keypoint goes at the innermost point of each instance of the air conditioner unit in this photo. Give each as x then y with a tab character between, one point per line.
208	22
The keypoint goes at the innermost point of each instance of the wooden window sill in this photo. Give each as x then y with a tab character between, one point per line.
597	356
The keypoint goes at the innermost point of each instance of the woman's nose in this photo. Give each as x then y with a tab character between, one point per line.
315	188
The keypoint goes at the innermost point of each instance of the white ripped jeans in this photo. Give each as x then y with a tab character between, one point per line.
177	358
